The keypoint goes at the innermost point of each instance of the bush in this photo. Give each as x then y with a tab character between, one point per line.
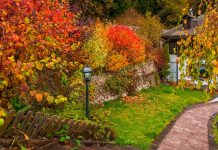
77	92
38	38
76	111
97	47
162	60
116	62
150	29
127	46
119	82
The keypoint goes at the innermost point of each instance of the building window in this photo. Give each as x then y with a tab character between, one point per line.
203	73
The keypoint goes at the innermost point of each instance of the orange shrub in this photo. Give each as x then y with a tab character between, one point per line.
128	47
116	62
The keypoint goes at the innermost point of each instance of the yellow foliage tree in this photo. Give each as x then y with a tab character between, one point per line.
97	47
202	49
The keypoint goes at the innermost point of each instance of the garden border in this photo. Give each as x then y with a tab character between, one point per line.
159	139
211	140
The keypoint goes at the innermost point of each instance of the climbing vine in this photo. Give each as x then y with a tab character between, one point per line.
202	50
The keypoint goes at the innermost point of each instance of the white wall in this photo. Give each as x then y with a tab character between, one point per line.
173	70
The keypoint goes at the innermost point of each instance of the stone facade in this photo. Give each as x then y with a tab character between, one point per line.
144	76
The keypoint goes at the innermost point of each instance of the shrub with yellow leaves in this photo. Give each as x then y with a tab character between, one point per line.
97	47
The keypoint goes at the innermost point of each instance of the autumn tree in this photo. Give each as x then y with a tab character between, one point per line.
107	9
130	17
147	6
202	50
170	10
151	29
35	36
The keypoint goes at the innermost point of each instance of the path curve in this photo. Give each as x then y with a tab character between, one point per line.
190	131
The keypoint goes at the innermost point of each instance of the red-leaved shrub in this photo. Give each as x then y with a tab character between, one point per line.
126	44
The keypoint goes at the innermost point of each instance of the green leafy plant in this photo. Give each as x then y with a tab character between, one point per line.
23	147
64	138
103	120
77	94
150	29
64	79
78	144
18	105
63	133
2	122
73	110
77	85
97	47
119	82
76	111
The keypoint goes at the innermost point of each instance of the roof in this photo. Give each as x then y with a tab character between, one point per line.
199	18
179	32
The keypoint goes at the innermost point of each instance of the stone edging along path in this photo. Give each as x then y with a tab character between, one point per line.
188	131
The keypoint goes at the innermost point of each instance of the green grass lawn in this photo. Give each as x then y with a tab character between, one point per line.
215	129
139	124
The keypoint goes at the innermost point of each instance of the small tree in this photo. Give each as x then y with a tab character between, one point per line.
170	10
150	29
97	47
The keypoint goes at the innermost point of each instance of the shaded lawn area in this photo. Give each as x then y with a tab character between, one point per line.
139	124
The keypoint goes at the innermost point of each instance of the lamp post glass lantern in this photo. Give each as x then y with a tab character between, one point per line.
87	72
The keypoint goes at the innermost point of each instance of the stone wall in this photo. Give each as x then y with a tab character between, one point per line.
145	76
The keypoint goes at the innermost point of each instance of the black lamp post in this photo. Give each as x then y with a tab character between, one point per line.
87	72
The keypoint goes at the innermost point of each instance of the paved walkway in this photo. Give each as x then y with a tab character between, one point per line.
190	131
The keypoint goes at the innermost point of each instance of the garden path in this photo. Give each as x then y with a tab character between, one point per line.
190	131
